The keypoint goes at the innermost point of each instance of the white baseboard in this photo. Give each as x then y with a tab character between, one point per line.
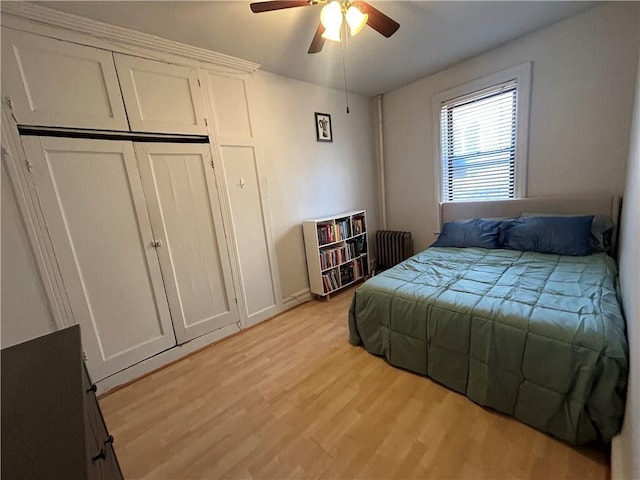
295	299
163	358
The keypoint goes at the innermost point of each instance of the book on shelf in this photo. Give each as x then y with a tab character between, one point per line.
351	250
357	268
333	257
358	225
328	233
325	234
326	284
357	246
347	273
344	228
330	281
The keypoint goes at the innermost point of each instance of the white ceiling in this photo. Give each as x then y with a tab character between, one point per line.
432	35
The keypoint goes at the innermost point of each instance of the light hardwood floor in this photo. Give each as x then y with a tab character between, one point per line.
291	398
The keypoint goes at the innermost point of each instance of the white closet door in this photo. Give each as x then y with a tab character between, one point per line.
252	236
246	190
161	97
60	84
185	213
94	207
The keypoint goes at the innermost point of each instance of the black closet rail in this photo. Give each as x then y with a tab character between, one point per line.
110	135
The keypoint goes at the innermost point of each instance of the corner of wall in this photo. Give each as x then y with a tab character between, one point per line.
625	462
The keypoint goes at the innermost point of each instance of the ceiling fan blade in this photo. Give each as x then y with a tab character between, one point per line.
269	6
377	20
318	42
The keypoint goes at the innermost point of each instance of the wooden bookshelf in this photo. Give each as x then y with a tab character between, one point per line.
337	251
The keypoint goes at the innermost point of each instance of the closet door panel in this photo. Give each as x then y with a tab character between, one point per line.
93	203
161	97
61	84
229	97
185	211
250	231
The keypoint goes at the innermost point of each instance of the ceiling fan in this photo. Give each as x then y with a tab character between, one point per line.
356	15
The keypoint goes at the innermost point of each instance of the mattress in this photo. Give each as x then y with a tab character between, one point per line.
540	337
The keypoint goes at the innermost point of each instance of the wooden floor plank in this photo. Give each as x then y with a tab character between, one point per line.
290	398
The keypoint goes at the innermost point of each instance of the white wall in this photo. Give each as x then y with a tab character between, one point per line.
305	179
582	91
626	448
308	179
24	306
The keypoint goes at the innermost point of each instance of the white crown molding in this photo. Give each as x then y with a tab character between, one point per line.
47	16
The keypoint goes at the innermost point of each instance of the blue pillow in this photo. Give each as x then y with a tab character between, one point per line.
558	235
477	232
601	230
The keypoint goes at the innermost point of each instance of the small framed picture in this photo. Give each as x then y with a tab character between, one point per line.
323	127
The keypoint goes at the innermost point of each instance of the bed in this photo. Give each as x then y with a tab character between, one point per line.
534	335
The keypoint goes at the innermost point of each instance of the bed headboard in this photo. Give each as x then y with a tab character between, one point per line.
584	204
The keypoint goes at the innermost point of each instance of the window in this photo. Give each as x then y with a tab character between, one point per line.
482	140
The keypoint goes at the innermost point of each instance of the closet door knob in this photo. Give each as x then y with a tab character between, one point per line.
156	243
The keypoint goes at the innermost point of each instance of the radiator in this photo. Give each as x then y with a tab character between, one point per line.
392	247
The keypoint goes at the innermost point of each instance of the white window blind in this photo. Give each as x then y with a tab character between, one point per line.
478	145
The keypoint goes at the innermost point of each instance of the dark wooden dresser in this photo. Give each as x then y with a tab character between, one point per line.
51	424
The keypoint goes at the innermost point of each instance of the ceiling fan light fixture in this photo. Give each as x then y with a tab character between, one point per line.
334	16
356	19
331	19
333	35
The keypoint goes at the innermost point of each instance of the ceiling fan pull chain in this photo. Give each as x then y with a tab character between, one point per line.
344	67
346	95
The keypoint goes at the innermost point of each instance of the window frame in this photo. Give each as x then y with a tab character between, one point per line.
521	74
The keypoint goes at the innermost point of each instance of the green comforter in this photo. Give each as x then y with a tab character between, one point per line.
539	337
